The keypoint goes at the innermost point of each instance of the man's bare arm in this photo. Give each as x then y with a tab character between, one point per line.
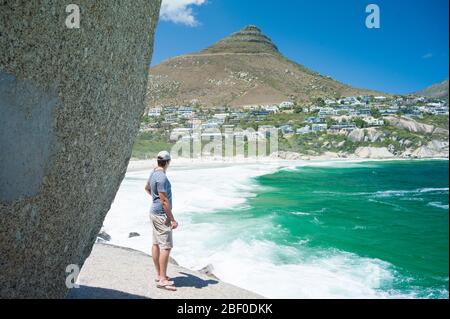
148	189
167	209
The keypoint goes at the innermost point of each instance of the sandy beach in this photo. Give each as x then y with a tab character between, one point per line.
137	165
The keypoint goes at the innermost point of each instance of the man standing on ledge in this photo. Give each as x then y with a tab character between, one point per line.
163	222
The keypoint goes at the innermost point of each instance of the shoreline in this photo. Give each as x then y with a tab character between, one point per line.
187	164
136	165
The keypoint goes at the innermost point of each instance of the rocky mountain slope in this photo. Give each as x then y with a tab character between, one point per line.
245	68
438	90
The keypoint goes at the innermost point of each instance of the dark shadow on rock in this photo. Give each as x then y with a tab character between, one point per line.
86	292
192	281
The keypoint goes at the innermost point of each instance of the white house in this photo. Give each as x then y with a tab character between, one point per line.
327	111
304	130
351	100
286	129
186	112
195	123
221	117
435	104
250	107
272	108
210	125
286	105
267	128
373	121
440	111
319	127
155	112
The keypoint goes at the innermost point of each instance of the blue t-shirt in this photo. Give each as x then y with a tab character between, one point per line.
159	182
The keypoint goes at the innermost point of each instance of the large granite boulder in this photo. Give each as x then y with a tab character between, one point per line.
356	135
410	125
70	103
374	153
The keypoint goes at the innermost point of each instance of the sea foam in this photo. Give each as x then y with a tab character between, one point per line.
231	244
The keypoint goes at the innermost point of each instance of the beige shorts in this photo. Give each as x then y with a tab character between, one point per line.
162	231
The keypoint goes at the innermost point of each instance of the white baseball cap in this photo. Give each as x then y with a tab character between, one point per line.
164	155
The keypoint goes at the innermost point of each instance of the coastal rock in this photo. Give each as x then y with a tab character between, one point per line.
343	155
373	153
441	131
410	125
356	135
407	143
103	236
439	145
291	156
408	153
208	271
391	148
365	135
95	279
327	156
424	152
71	101
433	149
373	134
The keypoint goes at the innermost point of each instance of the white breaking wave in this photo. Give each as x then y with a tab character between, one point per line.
387	193
300	213
391	193
197	191
438	205
233	245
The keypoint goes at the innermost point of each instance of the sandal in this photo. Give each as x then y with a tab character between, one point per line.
167	285
168	278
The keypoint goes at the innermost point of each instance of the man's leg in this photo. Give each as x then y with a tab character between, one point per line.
163	263
155	256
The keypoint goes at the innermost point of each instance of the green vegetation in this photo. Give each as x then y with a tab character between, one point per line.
297	120
436	120
375	113
148	145
359	122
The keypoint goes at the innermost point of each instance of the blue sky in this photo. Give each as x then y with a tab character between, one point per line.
409	52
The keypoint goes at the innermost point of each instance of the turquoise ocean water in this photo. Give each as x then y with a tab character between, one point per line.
374	229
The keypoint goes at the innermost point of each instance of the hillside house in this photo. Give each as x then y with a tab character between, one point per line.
304	130
155	112
319	127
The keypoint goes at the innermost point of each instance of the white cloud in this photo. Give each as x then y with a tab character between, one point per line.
428	56
180	11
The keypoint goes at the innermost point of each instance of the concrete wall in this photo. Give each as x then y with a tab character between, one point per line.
70	107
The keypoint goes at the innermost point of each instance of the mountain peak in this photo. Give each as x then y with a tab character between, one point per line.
245	68
250	40
251	28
